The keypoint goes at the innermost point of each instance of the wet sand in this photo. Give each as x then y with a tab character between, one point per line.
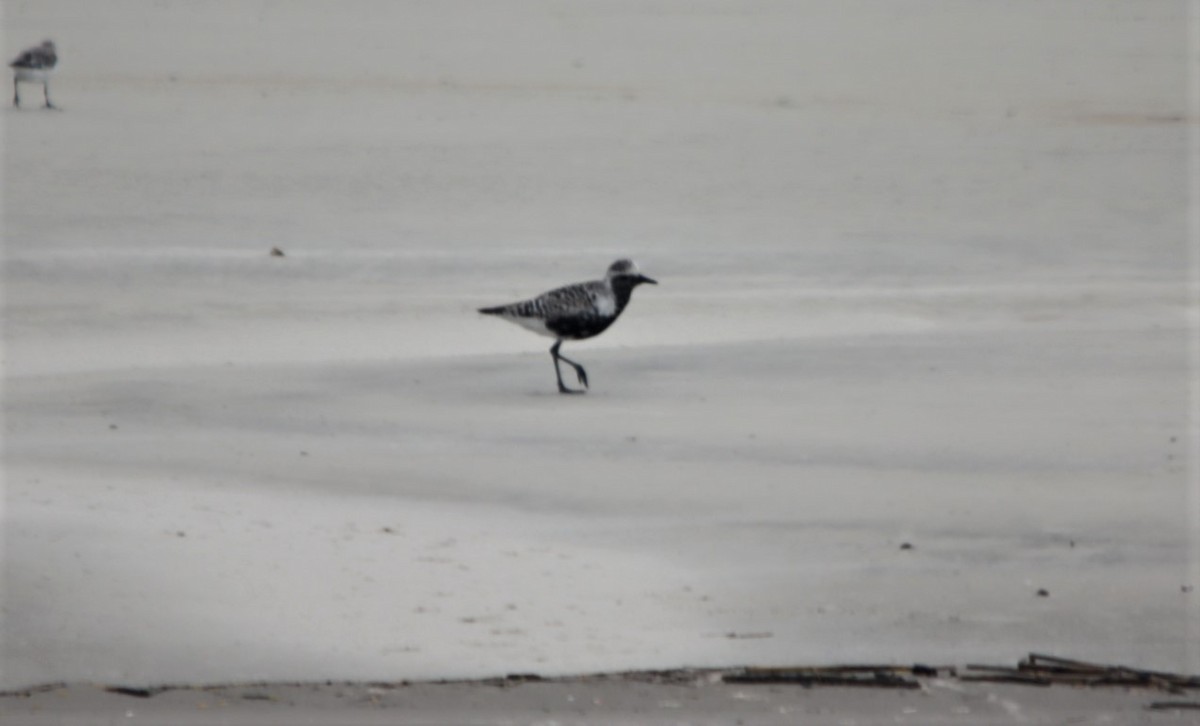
918	382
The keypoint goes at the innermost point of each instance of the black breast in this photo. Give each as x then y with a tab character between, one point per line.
588	324
578	327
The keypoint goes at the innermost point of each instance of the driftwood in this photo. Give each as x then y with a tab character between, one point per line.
1044	670
1036	670
871	676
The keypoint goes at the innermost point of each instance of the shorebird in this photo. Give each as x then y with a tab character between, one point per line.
575	312
34	65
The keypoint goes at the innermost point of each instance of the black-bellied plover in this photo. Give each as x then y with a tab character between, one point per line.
575	312
34	65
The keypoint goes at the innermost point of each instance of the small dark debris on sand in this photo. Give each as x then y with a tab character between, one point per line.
1174	705
135	692
733	635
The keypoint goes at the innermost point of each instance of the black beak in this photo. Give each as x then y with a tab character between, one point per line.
643	278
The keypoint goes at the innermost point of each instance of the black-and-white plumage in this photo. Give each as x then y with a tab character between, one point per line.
575	312
34	65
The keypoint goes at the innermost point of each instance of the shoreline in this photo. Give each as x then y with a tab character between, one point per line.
1040	689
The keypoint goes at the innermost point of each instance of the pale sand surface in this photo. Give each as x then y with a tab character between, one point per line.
926	278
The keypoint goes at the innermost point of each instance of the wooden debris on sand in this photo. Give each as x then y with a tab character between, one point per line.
1044	670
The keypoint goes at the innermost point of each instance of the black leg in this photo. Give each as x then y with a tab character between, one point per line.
46	91
557	372
16	93
579	372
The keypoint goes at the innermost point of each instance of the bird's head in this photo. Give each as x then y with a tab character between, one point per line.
626	269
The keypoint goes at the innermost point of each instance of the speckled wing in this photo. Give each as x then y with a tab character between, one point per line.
573	300
573	311
35	59
568	300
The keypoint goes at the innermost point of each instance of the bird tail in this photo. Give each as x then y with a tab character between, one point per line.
492	311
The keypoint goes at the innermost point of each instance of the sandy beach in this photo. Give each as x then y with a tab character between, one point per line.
918	383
